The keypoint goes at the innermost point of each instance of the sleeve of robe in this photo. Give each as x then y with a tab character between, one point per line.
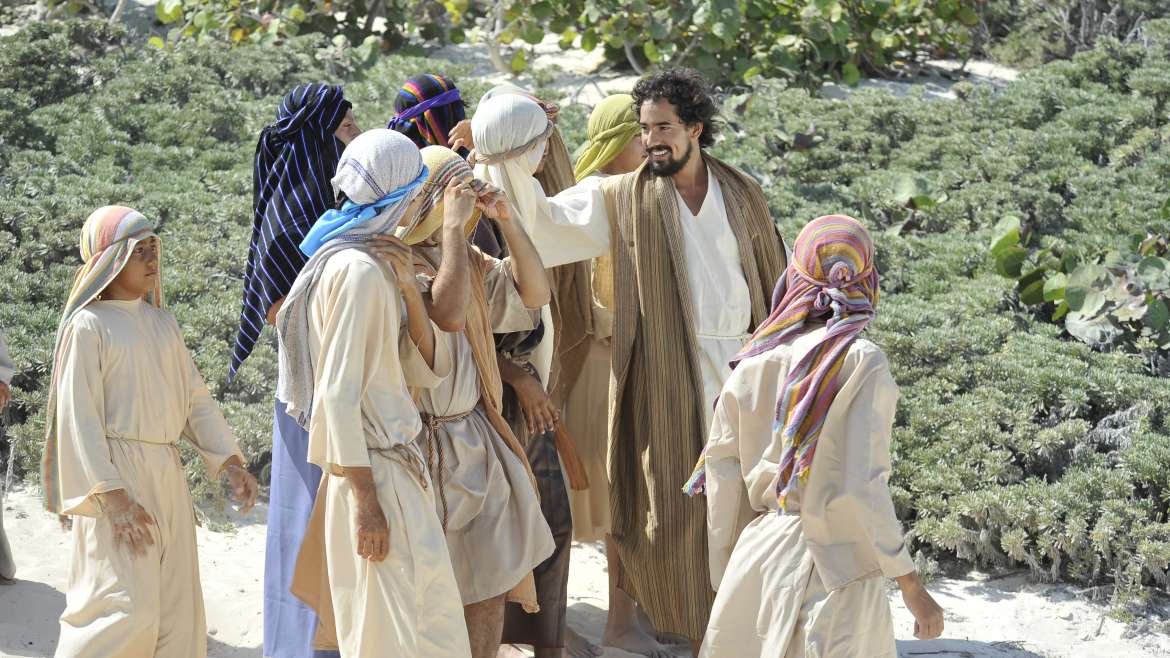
206	427
869	424
577	227
84	467
360	321
505	306
738	433
7	367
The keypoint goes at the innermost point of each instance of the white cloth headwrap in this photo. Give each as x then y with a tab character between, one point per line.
375	163
503	123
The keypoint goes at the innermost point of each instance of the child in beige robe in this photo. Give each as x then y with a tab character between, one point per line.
125	389
799	555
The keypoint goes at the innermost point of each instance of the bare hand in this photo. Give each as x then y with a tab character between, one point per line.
459	200
928	615
373	532
460	136
5	395
494	203
538	409
131	521
244	486
398	254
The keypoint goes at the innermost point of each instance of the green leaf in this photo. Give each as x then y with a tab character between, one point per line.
457	35
169	11
1153	271
533	34
1085	301
651	51
1032	289
851	74
788	41
1009	261
1061	311
567	39
589	40
157	42
1006	234
541	10
968	17
1157	315
520	61
1054	287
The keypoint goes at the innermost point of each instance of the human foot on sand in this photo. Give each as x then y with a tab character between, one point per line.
577	646
636	640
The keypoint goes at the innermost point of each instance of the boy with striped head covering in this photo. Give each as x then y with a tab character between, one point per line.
123	391
354	335
799	451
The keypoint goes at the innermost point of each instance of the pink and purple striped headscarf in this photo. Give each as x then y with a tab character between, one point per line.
108	239
831	275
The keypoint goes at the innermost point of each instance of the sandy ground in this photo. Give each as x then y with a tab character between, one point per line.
986	618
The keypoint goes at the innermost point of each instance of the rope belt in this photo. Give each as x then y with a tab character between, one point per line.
436	461
406	454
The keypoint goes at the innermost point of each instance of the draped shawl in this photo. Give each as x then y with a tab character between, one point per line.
108	239
296	156
657	420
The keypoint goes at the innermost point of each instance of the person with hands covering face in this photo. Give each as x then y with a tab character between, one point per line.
124	390
485	495
354	340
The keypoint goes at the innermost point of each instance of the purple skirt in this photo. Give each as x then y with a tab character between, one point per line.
289	624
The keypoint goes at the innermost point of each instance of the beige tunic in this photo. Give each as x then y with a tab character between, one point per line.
408	604
808	582
128	390
496	533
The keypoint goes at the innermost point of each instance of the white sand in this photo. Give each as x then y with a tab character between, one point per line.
1004	618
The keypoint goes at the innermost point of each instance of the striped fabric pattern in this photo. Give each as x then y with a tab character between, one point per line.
444	166
108	239
434	124
296	156
832	273
657	419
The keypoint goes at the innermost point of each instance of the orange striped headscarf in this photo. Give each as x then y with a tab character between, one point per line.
108	239
831	275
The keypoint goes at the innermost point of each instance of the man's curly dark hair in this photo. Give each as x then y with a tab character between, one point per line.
689	93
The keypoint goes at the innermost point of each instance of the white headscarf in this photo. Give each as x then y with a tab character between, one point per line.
375	165
507	131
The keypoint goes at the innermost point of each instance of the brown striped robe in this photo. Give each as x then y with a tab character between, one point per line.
657	421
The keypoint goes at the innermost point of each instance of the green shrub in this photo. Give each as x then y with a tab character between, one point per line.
807	42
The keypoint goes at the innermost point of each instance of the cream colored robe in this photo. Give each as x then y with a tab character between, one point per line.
128	390
808	582
495	531
363	416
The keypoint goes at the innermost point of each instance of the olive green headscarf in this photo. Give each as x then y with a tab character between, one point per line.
611	125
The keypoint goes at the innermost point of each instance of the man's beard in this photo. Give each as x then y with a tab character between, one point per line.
670	167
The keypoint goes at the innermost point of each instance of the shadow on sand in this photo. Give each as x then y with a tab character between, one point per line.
28	618
962	649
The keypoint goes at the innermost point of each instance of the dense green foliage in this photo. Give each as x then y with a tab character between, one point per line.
1031	32
807	42
1015	444
1114	300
